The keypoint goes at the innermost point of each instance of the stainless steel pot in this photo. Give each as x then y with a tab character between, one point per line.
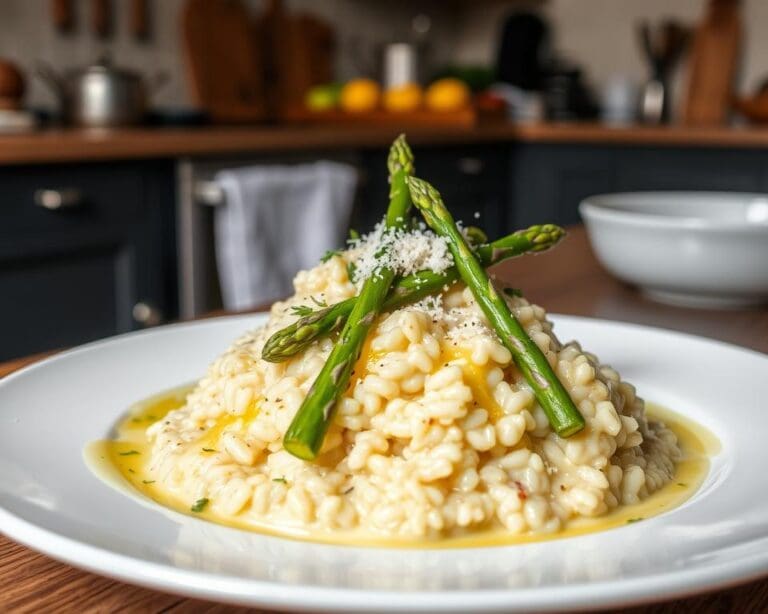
100	95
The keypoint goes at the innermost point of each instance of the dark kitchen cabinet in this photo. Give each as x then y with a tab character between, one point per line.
503	187
471	180
548	181
101	263
107	264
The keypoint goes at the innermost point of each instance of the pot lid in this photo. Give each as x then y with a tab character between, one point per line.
104	66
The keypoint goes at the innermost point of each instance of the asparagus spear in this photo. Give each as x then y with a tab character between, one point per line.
306	433
296	337
475	235
549	391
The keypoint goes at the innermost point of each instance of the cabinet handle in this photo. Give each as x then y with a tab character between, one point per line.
54	200
470	166
147	314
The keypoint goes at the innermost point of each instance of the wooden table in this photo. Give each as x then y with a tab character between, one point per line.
566	280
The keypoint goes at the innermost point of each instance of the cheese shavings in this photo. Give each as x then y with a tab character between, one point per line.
404	251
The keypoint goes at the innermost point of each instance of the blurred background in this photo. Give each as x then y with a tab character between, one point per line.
165	159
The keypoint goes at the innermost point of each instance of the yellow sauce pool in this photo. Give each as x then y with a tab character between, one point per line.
122	463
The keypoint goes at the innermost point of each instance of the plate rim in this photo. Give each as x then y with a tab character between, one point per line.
184	582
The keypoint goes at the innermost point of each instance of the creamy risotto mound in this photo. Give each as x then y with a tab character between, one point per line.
438	434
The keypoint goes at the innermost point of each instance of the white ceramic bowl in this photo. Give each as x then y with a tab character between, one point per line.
701	249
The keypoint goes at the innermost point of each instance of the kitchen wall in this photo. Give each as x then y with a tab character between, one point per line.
600	34
27	34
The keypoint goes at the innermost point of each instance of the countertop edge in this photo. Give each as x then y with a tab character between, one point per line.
72	145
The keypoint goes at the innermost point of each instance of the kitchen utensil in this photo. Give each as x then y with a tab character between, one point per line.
714	63
523	51
662	44
139	19
699	249
12	86
300	55
400	66
618	101
755	108
101	18
224	62
409	58
566	94
100	95
522	106
62	15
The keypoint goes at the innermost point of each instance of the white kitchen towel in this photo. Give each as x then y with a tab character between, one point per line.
275	221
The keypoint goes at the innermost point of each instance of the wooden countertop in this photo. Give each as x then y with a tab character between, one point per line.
66	145
565	280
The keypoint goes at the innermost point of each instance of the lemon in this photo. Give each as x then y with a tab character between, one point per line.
323	97
360	95
447	95
403	98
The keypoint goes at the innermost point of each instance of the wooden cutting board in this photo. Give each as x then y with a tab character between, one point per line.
300	51
713	64
224	61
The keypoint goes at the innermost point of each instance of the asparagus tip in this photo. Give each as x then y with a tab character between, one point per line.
400	157
423	193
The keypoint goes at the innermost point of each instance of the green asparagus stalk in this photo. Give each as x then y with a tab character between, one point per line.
305	435
548	390
296	337
400	166
475	235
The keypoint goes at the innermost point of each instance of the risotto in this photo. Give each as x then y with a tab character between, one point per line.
437	435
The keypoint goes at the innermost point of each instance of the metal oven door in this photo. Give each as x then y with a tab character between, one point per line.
197	196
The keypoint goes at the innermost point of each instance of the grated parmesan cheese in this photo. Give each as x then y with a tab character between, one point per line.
404	251
461	323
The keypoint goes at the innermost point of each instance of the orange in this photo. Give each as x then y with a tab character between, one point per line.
447	95
403	98
360	95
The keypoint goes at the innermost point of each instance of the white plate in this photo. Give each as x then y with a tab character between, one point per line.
50	500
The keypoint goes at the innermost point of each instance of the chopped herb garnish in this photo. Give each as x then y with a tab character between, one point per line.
353	235
318	303
209	449
199	505
683	484
129	453
151	417
632	520
304	310
513	292
281	480
147	481
301	310
351	270
131	471
330	254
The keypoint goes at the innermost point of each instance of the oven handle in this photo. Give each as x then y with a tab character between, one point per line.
208	193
